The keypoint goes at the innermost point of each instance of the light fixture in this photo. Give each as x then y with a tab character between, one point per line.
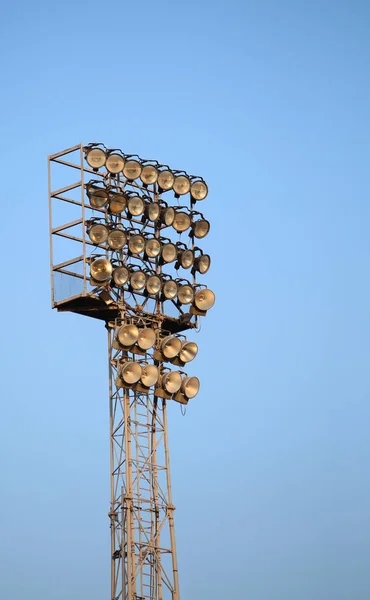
95	158
185	294
149	375
153	285
127	335
130	372
181	221
98	233
137	280
135	206
201	228
165	180
116	239
152	211
169	252
114	163
204	299
199	190
120	276
101	270
190	386
136	244
170	346
185	258
170	289
188	351
149	174
202	263
98	197
132	169
181	185
168	216
153	248
146	338
117	203
171	382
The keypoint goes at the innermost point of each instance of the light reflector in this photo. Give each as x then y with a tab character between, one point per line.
136	244
199	190
165	180
135	206
181	222
169	252
146	338
185	294
117	203
153	248
204	299
120	276
138	279
186	259
116	239
101	270
131	372
132	169
127	335
98	233
153	285
171	382
95	158
190	386
170	289
188	351
170	346
181	185
98	197
203	263
201	228
149	174
115	163
149	375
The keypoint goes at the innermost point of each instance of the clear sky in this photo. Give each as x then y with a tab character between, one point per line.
269	101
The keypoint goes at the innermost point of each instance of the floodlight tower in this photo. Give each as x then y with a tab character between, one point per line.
112	259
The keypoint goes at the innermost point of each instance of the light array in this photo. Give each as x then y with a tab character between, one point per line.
136	262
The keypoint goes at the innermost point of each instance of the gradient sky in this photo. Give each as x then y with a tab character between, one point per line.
269	101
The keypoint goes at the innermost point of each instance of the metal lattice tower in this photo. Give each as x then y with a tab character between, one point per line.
110	260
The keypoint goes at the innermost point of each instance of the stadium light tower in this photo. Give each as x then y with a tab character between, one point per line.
117	253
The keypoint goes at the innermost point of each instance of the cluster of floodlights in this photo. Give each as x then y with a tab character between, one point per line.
168	384
115	162
172	348
180	218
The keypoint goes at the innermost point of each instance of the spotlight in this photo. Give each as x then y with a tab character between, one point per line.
146	338
149	174
135	206
169	252
136	244
95	158
181	222
152	211
153	285
101	270
98	197
199	190
153	248
166	180
98	233
132	169
190	386
204	299
149	375
181	185
131	372
185	294
202	263
171	382
127	335
168	216
170	289
170	347
116	239
115	163
201	228
117	203
120	276
188	351
137	280
186	258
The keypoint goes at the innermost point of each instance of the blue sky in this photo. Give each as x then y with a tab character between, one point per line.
269	101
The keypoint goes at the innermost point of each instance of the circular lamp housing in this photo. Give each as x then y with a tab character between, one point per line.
98	197
98	233
201	228
127	335
188	351
169	252
115	163
131	372
166	180
171	382
135	206
153	248
117	203
120	276
181	185
170	346
204	299
186	259
153	285
95	158
149	375
153	211
136	244
181	222
132	169
168	216
203	263
199	190
101	270
146	338
170	289
116	239
137	280
149	174
185	294
190	386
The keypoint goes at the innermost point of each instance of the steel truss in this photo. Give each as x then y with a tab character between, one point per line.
144	562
